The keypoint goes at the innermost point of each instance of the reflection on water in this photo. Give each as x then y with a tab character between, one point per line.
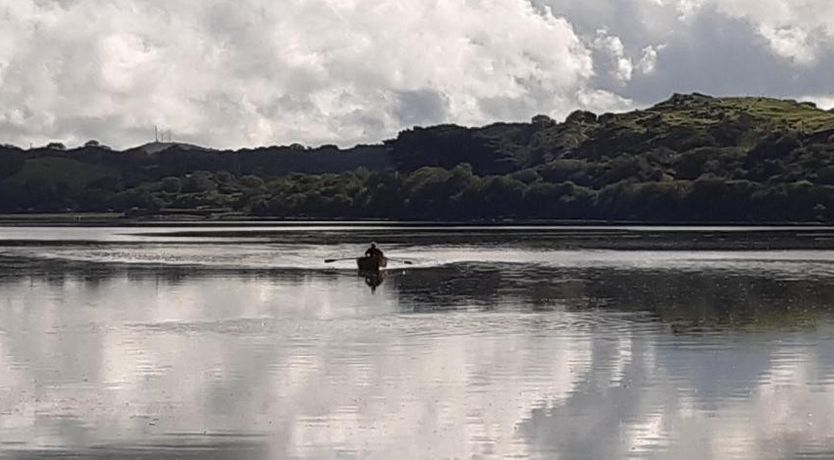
374	279
591	354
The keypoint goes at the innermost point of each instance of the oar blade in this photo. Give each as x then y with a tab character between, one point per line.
402	261
330	261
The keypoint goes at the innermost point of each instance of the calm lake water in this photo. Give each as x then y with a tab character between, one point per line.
521	342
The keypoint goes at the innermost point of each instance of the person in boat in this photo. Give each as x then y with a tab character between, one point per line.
374	252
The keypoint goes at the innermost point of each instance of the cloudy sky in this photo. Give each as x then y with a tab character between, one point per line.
231	73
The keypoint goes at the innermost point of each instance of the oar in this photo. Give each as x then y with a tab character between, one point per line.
330	261
407	262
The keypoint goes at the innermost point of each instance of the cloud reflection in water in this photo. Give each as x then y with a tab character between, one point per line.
453	361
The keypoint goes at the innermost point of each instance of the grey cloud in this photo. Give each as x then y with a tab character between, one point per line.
638	23
716	55
503	108
614	68
421	106
710	46
725	56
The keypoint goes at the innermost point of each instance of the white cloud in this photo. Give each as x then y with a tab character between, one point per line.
601	101
823	102
648	60
796	30
687	8
258	72
614	51
790	43
261	72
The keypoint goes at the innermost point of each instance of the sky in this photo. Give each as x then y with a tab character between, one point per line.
241	73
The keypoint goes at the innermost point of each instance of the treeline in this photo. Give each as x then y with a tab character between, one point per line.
154	161
436	193
693	158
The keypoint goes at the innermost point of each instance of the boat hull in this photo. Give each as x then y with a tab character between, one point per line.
371	264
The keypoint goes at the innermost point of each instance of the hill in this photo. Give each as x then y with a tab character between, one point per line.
692	158
673	128
157	147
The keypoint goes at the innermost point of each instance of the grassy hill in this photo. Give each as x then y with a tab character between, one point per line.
676	126
71	173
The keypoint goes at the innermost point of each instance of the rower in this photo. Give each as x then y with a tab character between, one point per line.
373	251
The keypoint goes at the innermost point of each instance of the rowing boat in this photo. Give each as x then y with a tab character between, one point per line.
371	263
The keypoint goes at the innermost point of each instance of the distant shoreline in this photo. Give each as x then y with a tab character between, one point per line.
120	220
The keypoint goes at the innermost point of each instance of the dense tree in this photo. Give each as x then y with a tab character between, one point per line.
691	158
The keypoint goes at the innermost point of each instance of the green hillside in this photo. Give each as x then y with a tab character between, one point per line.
692	158
678	125
74	174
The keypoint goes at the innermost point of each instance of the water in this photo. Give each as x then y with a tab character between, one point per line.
526	342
